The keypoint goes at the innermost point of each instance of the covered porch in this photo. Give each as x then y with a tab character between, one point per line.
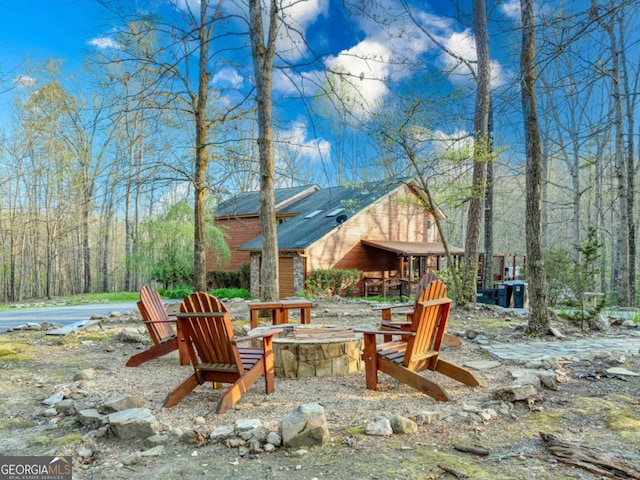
408	262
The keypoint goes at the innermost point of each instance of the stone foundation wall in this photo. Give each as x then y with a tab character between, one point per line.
298	273
254	275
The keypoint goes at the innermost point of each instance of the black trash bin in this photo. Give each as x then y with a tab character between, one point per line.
505	291
487	296
520	297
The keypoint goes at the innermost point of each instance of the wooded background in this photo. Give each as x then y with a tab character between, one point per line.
98	171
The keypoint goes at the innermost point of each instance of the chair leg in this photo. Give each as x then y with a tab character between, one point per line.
414	380
267	360
183	350
457	373
181	391
370	357
240	387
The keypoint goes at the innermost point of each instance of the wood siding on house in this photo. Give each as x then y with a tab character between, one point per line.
396	216
238	231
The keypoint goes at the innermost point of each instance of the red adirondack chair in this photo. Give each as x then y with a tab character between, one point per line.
161	330
206	324
418	350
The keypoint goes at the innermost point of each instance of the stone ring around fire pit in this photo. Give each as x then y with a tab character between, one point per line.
315	350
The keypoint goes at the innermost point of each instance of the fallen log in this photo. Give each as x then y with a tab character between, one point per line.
591	459
452	471
483	452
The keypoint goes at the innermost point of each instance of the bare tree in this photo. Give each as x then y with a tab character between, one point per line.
481	150
186	38
606	21
263	58
538	318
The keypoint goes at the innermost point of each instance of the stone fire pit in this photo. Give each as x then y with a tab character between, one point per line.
315	350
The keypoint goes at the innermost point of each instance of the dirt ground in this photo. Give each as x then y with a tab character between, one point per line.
601	413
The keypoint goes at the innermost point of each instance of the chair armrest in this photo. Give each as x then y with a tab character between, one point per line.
161	321
383	332
388	307
394	324
270	333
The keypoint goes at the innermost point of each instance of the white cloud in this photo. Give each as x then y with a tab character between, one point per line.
299	16
103	42
285	82
227	77
295	139
438	142
360	75
459	141
462	45
510	9
24	81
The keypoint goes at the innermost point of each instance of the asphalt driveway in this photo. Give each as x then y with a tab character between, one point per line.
63	315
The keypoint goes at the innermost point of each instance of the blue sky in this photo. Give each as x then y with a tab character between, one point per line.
44	29
38	30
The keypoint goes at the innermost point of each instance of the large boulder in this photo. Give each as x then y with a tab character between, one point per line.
306	426
134	423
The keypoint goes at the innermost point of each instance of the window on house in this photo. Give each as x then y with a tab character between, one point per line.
335	212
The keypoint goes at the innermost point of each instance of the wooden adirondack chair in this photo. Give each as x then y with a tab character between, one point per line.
429	287
206	324
419	350
161	330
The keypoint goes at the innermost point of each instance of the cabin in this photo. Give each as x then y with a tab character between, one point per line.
382	228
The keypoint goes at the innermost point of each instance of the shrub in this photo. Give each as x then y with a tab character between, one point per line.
178	292
560	276
229	279
333	282
232	293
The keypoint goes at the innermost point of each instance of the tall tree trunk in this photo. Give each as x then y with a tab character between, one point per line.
86	245
544	216
199	182
127	218
263	58
106	243
622	277
487	280
536	275
630	104
480	155
620	172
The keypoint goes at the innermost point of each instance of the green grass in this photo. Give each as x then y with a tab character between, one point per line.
115	297
408	301
86	298
232	293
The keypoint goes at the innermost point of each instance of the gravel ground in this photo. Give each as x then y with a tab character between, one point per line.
581	410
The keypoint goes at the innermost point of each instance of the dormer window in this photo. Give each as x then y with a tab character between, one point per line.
313	214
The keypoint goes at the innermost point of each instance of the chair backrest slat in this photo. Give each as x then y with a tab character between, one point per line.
152	309
429	321
211	336
429	287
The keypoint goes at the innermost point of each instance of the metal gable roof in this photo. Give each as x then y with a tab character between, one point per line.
247	204
302	230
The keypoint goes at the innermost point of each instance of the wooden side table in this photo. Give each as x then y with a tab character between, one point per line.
280	311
